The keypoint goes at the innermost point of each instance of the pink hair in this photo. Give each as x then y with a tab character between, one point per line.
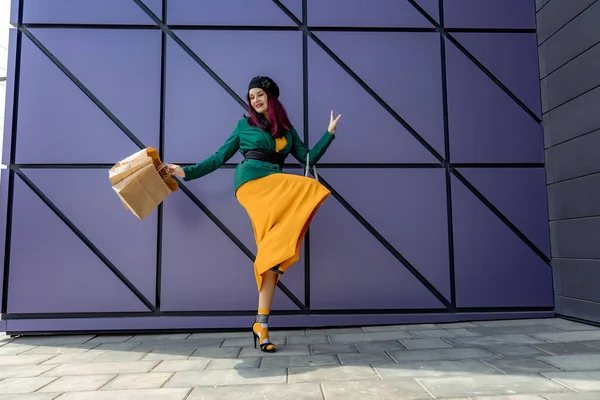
278	122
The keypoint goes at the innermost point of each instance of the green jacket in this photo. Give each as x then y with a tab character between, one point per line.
245	137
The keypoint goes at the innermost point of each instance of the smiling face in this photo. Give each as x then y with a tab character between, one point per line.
258	100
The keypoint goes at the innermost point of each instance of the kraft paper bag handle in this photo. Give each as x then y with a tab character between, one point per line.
307	168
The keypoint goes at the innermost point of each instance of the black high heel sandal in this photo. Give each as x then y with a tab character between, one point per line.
264	347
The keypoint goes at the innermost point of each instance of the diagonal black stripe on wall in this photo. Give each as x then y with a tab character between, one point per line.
497	81
85	240
388	246
190	52
425	13
138	142
501	216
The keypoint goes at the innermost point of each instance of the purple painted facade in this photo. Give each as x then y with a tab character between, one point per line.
394	244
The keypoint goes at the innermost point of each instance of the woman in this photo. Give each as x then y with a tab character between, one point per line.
280	206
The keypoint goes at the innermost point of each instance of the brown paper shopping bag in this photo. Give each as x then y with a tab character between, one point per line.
142	182
142	191
128	166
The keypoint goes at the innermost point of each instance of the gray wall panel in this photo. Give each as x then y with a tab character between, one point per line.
576	238
574	158
578	278
557	14
575	78
572	119
581	309
575	198
579	35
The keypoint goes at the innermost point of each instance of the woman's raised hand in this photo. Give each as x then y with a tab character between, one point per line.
333	123
176	170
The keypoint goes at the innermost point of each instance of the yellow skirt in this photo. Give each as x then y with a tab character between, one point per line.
281	207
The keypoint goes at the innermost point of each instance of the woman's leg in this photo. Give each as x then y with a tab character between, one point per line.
265	299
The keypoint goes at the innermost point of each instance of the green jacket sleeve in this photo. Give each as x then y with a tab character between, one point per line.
299	149
212	163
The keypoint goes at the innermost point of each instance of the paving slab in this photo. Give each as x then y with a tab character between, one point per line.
578	336
196	364
578	381
560	349
30	396
573	396
401	389
300	361
77	383
365	359
517	351
24	385
417	344
490	385
521	366
443	333
151	394
577	362
516	339
436	369
152	380
297	391
376	347
128	367
440	354
249	376
325	374
332	348
350	338
514	397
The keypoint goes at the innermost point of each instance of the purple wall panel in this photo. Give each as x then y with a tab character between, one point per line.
155	6
431	7
489	13
410	61
84	11
3	215
368	118
202	269
53	271
494	268
86	198
190	135
512	58
14	12
283	65
486	125
295	6
408	208
121	68
10	96
379	13
520	194
366	273
227	12
84	133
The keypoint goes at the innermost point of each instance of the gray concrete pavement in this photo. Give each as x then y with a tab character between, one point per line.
549	359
